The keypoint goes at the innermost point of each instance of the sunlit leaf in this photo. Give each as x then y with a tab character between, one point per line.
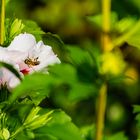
131	36
124	24
61	127
134	39
7	1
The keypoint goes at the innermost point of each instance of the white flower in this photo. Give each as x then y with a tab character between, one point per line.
34	56
26	56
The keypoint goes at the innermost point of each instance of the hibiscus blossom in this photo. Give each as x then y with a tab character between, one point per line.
27	56
34	56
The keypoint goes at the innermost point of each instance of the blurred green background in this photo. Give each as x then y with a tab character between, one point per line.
69	20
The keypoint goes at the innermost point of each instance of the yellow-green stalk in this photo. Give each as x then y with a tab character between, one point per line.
106	47
2	22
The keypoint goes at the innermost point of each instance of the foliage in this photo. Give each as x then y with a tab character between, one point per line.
61	104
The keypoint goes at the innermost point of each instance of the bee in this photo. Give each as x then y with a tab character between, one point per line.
32	61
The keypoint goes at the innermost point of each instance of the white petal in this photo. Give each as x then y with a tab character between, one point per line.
3	54
17	56
46	56
8	77
13	82
22	42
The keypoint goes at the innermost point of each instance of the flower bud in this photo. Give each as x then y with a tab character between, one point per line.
16	28
5	133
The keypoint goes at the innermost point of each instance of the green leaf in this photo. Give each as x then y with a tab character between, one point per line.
13	27
33	28
65	72
35	119
136	109
7	1
56	43
61	127
45	137
124	24
79	88
97	19
138	124
134	39
131	36
16	28
81	91
78	55
36	86
117	136
88	132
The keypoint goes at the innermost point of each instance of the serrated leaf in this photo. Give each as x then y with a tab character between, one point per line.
61	127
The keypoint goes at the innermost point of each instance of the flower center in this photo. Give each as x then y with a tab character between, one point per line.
25	71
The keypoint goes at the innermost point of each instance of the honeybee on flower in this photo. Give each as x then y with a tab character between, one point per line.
28	55
32	61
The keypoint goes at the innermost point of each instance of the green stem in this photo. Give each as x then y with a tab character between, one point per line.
106	9
101	111
2	27
106	47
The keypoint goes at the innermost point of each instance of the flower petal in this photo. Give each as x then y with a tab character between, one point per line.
8	77
22	42
46	56
13	82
